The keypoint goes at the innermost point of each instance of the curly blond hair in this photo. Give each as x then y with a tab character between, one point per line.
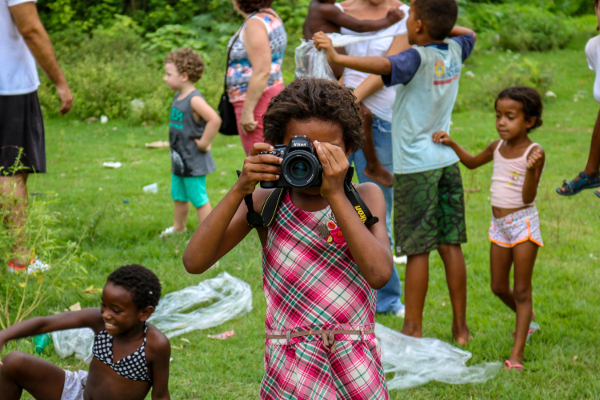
187	60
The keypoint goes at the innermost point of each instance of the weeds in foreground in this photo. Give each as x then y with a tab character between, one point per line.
31	236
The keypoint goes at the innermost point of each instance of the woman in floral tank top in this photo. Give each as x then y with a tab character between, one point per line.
254	69
321	264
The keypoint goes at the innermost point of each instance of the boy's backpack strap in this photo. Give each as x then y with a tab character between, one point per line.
357	202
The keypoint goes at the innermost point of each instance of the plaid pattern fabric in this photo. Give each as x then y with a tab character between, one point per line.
310	283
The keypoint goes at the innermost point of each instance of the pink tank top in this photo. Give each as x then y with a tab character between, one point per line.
508	179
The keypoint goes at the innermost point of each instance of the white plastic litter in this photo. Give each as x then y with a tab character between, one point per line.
152	188
137	104
78	341
415	361
111	164
312	63
103	119
234	299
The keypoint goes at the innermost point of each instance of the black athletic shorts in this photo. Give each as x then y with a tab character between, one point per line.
22	141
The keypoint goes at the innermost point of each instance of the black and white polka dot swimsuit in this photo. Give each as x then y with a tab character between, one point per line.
132	367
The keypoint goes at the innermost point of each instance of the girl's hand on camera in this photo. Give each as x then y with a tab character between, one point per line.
258	167
335	165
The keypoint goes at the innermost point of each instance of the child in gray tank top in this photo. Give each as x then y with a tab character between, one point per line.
192	126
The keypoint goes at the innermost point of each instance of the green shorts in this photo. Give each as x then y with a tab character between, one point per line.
189	188
429	210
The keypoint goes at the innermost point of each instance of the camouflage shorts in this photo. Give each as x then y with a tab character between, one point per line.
429	210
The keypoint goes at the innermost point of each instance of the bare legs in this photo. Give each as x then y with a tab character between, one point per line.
15	188
374	169
518	298
456	277
592	168
416	284
20	371
181	212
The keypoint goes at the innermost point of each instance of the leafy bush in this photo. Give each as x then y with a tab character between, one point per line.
569	7
522	28
172	37
517	71
150	15
106	71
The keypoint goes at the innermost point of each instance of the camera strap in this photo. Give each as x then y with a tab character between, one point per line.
357	202
269	209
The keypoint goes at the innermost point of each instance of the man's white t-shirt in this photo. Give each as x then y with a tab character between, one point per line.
380	103
18	73
592	52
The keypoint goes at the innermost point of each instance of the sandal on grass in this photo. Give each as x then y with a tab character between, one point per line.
585	182
510	366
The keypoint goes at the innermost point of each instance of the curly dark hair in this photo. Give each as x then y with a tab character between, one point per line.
322	99
250	6
529	98
187	60
439	16
138	280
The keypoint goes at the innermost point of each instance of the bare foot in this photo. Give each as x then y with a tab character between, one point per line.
409	329
462	336
379	174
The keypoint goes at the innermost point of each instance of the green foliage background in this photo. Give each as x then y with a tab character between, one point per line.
112	51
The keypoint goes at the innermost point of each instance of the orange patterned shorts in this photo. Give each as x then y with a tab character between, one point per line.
515	228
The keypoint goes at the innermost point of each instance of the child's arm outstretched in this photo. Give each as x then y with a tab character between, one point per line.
226	225
336	16
87	318
535	166
371	65
213	122
470	161
370	247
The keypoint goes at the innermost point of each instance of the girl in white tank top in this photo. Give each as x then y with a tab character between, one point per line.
515	228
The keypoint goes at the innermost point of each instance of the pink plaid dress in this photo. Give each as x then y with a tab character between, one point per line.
312	282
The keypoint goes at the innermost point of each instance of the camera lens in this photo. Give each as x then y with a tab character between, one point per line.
299	169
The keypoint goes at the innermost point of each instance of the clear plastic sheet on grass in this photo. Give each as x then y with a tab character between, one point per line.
232	296
233	299
312	63
78	341
415	361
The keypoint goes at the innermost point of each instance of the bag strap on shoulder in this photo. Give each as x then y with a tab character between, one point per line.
235	38
267	214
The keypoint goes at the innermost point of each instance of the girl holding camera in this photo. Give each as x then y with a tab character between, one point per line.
321	264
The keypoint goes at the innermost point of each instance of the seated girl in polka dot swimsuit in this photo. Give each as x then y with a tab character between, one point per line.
130	355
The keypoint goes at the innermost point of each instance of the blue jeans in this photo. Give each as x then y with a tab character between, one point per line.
388	297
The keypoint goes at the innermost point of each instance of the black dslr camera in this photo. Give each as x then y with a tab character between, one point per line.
300	167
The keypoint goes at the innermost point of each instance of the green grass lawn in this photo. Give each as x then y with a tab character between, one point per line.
561	360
